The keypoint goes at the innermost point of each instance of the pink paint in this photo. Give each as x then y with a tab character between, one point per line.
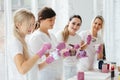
80	76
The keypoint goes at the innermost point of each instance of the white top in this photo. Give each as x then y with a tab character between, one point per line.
17	48
32	74
91	52
38	38
71	60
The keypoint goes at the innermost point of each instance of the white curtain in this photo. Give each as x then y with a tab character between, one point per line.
111	12
117	30
8	29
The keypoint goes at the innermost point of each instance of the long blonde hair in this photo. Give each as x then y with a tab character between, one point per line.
22	16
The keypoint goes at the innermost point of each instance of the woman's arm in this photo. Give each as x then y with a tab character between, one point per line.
42	65
83	45
100	54
119	68
23	65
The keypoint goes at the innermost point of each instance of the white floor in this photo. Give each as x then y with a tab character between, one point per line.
2	67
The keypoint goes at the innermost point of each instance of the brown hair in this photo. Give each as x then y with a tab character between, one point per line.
65	32
43	14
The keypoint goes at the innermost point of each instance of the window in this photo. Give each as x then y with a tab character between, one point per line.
16	4
2	41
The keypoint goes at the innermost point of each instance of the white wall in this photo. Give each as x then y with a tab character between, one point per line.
85	9
117	29
61	9
66	8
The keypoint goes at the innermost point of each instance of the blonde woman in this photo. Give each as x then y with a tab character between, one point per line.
95	48
23	64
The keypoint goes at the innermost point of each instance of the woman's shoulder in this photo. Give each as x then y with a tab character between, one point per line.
16	41
36	33
16	46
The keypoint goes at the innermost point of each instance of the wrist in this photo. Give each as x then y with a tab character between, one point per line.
49	59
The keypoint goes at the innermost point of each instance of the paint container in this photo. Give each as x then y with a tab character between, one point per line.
112	73
100	63
108	66
105	68
80	76
113	64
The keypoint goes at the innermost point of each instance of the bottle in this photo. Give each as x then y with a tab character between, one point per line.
112	73
80	76
113	64
100	63
105	68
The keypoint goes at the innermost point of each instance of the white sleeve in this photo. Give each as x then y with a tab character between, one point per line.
100	39
17	47
83	35
54	40
35	44
59	36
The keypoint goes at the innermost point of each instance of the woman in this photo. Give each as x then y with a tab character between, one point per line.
45	22
95	47
70	37
24	66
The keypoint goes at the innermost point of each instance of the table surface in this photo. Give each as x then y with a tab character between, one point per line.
96	75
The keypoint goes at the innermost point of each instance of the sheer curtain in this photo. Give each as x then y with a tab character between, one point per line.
111	12
117	29
8	29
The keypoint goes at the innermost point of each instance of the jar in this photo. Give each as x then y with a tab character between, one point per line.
113	64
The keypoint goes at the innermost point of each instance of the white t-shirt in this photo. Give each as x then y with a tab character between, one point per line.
36	41
71	60
14	74
13	71
91	52
32	74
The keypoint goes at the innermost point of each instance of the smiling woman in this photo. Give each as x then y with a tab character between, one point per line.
64	9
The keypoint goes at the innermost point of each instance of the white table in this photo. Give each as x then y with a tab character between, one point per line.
95	75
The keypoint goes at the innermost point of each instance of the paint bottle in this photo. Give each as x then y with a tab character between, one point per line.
105	68
113	64
80	76
100	63
112	73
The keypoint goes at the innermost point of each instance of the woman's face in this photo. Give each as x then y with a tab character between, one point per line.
74	25
97	25
48	23
27	26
